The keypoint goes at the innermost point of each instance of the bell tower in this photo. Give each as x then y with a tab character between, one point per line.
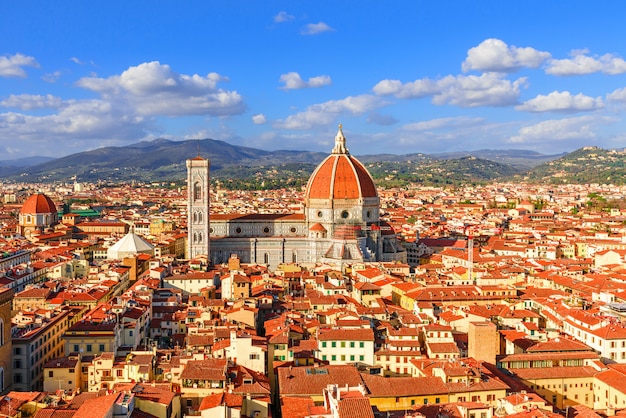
198	207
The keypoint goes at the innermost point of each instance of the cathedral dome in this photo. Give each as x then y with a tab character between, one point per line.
340	176
38	204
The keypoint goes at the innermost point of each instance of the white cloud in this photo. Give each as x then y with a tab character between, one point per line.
155	89
566	129
618	95
126	110
76	61
283	17
51	77
412	90
32	101
561	102
11	66
293	81
489	89
495	55
325	113
316	28
259	119
76	120
581	64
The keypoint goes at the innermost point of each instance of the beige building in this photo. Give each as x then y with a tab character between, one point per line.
36	341
483	341
63	373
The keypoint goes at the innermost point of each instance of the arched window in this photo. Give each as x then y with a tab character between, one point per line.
266	258
200	217
197	191
200	237
195	217
294	257
195	237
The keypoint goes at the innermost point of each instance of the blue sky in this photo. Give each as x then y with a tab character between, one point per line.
401	76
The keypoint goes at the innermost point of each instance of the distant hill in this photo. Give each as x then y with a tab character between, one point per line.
160	159
249	168
10	167
432	171
520	159
585	165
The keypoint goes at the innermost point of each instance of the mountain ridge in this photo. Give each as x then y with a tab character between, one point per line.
164	159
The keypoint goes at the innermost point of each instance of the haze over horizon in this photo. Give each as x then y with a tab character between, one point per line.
404	77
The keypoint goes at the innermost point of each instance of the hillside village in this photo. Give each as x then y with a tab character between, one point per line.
510	302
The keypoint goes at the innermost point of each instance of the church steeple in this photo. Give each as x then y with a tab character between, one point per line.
340	143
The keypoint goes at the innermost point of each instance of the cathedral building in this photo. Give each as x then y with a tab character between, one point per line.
340	224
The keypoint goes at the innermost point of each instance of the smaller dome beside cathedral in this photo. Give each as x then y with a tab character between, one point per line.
37	214
37	204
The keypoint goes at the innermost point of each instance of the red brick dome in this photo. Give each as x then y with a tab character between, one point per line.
38	203
340	176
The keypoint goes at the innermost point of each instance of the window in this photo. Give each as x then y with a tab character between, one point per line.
361	358
76	348
343	344
343	357
333	344
120	373
323	344
351	344
88	348
361	344
352	357
333	357
17	364
197	191
50	373
17	351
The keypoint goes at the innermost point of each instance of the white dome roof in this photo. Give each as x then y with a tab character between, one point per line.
131	244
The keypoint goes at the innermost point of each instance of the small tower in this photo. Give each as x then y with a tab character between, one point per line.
198	204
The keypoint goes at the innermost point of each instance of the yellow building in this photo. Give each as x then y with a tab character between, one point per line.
403	393
609	389
37	340
92	338
105	370
562	378
62	373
